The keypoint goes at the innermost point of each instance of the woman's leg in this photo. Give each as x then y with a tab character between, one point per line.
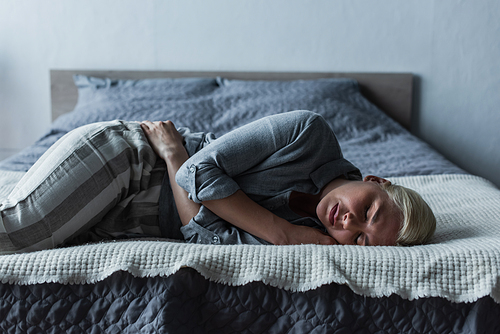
75	184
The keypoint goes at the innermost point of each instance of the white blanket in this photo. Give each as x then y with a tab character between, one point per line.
461	264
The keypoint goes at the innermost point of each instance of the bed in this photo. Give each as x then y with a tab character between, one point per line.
153	285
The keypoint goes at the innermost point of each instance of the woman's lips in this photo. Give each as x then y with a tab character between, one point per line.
333	214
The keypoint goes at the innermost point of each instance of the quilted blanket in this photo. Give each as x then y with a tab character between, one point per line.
462	264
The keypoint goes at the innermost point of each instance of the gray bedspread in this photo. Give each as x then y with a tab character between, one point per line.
188	303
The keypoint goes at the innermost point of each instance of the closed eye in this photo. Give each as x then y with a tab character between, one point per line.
356	241
366	213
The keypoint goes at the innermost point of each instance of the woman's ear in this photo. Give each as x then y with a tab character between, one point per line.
376	179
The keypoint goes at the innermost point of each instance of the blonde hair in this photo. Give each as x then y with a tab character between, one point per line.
419	222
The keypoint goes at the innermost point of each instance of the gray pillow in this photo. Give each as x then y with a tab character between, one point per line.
370	139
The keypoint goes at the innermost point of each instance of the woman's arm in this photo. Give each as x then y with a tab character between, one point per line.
241	211
167	143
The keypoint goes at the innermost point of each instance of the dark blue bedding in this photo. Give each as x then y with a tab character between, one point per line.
187	303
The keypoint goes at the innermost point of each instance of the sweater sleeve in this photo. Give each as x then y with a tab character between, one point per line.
209	174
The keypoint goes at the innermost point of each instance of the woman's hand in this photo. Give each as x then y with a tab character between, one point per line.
297	235
164	138
167	142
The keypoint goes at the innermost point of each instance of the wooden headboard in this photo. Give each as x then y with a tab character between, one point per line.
391	92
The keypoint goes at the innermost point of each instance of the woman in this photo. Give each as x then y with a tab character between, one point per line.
281	169
279	180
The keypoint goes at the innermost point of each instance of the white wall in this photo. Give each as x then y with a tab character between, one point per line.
452	46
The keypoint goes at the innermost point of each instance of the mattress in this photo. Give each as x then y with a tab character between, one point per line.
447	286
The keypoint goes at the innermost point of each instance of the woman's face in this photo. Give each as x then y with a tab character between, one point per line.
360	213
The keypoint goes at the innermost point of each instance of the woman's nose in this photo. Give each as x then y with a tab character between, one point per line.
350	222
